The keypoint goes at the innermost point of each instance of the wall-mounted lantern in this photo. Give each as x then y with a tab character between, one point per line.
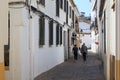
74	36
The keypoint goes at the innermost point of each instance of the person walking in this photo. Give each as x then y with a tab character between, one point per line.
84	51
75	52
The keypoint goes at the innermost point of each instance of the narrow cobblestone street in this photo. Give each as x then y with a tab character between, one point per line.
69	70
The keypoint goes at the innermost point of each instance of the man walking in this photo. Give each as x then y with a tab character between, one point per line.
75	52
84	51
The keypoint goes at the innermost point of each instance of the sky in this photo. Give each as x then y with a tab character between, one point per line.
83	6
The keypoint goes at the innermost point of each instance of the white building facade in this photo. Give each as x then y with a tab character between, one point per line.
39	36
94	27
107	29
85	30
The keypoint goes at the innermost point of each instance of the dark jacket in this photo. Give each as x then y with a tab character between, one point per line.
75	49
83	49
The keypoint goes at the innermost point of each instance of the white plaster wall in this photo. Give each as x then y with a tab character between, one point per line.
93	15
19	48
50	10
27	60
45	57
85	26
93	39
86	38
107	58
3	27
3	31
113	33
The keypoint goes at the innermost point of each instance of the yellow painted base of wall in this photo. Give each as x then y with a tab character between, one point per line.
2	71
118	70
112	67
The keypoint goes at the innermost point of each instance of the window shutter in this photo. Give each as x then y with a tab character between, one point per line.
51	32
60	35
57	34
57	8
41	30
65	5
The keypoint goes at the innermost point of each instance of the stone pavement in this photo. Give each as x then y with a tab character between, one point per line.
70	70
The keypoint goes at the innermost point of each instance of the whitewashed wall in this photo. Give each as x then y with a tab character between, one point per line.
3	34
45	57
86	38
110	37
27	60
19	45
112	31
3	27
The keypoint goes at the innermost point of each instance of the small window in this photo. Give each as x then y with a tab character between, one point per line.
73	18
65	5
67	12
60	35
41	31
57	8
57	34
70	12
51	32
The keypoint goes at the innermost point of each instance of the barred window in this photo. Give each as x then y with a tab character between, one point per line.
41	31
51	32
57	34
60	35
67	13
70	12
73	18
65	5
57	8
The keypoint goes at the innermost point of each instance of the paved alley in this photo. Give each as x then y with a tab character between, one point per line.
69	70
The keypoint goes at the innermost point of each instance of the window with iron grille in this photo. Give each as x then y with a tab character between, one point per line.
70	12
73	18
60	35
42	2
51	32
57	34
61	4
65	5
41	31
67	13
57	8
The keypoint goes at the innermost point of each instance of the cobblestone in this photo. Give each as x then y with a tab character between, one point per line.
70	70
